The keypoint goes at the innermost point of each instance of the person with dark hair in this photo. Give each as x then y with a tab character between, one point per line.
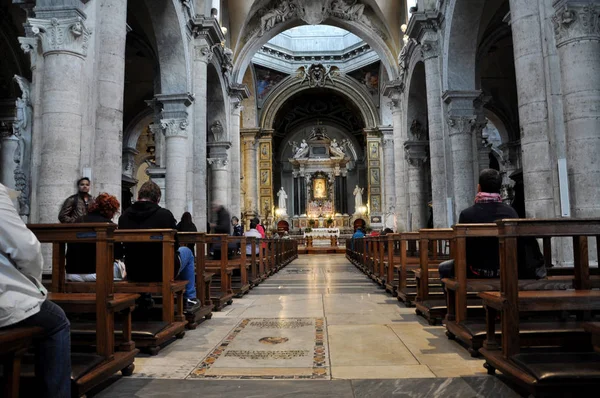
186	224
482	253
81	257
76	206
143	261
23	302
252	233
237	228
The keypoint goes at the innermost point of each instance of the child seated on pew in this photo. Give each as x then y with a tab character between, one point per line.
23	302
483	260
143	261
81	257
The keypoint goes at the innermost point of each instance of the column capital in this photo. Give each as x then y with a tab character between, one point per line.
171	106
29	45
219	163
62	36
394	90
174	127
416	153
465	124
576	20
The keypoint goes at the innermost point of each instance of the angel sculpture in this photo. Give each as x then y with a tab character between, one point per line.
317	74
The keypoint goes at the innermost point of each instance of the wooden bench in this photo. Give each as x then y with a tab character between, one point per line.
430	301
255	276
89	370
409	261
221	291
203	279
14	342
391	263
550	371
149	331
237	259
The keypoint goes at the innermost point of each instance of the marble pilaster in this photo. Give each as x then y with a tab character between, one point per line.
64	43
430	51
416	154
577	30
110	83
530	70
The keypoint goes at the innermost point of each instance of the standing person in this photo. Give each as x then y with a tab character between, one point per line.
221	219
76	206
81	257
23	302
237	228
144	260
187	225
252	233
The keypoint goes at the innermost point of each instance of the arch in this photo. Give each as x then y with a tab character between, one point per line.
342	85
215	98
461	39
171	42
136	127
244	52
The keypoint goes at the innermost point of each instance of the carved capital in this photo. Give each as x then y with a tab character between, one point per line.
219	163
69	35
29	45
203	53
416	153
174	127
464	124
576	21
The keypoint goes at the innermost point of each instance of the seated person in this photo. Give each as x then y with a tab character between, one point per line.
357	234
23	302
483	259
81	257
252	233
143	261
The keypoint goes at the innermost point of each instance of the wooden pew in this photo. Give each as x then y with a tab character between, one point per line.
391	263
147	332
221	291
558	371
203	279
254	274
430	302
237	259
89	370
14	342
409	261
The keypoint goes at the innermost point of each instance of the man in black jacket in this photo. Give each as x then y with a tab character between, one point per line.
482	253
143	260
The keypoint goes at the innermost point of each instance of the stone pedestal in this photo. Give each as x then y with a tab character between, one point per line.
577	29
64	43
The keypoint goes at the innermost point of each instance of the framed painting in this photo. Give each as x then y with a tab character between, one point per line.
319	188
265	151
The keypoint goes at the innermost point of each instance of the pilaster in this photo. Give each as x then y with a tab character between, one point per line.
265	165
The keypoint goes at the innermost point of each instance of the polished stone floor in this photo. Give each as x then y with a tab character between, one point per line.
319	327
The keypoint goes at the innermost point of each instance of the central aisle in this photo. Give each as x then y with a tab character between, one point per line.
322	321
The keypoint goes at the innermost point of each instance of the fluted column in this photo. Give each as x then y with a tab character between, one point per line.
430	51
389	204
64	46
249	139
530	70
577	29
219	178
416	154
110	81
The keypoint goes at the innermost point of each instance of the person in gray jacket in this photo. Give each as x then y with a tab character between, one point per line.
23	302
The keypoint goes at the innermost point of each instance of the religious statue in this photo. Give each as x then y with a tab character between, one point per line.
336	150
282	198
302	150
351	9
358	201
281	13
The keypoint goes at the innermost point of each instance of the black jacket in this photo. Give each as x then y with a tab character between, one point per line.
81	257
143	260
483	259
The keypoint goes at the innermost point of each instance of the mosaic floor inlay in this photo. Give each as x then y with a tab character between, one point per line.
269	348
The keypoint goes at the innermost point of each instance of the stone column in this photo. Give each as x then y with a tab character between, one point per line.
394	90
219	178
64	46
389	203
429	49
110	81
416	154
174	125
530	72
8	146
235	164
577	29
464	118
249	137
202	56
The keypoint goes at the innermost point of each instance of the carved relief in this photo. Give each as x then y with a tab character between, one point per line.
577	22
217	131
203	53
174	127
217	163
62	35
317	74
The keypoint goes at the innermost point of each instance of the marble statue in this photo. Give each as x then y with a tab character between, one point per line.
302	150
281	13
336	150
358	201
282	200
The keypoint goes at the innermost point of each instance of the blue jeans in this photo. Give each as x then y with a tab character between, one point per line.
187	272
52	351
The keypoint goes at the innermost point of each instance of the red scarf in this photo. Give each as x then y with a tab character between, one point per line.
485	197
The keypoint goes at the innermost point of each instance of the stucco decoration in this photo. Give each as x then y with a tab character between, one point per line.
317	75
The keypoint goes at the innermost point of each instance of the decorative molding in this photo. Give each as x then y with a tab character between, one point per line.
217	131
68	36
219	163
576	21
416	153
174	127
429	49
317	75
394	90
424	22
203	53
405	56
29	45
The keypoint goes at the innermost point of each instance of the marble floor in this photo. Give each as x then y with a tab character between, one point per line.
319	327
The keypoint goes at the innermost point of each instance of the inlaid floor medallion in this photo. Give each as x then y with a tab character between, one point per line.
270	348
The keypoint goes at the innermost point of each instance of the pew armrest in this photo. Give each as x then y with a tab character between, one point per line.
548	300
86	302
